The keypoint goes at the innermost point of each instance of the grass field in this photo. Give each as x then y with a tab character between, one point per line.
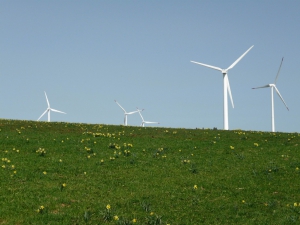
65	173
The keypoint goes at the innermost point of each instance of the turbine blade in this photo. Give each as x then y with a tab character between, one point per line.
120	106
229	91
151	122
281	97
42	115
47	100
278	71
140	114
236	61
129	113
54	110
268	85
209	66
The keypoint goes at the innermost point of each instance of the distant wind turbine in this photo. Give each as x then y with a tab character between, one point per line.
273	86
226	85
127	113
143	121
48	110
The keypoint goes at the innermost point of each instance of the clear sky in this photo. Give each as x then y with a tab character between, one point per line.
86	54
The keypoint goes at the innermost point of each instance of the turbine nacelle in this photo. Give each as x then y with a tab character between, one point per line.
224	72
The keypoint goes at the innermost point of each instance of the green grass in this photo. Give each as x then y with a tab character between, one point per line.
160	176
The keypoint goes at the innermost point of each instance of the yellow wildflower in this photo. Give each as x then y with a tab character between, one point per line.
116	218
108	207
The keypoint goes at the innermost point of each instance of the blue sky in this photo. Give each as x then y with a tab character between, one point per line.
86	54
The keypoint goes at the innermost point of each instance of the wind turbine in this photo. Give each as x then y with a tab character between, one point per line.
48	110
127	113
143	121
273	86
226	85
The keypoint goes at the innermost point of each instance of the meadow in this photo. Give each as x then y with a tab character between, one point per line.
71	173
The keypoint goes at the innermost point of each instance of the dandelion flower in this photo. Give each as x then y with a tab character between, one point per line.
116	218
243	201
64	185
134	220
295	204
108	206
231	147
45	172
195	187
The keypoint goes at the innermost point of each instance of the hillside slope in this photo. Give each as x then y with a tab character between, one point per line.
64	173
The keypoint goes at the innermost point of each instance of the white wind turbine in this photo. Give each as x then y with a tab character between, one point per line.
226	85
143	121
127	113
48	110
273	86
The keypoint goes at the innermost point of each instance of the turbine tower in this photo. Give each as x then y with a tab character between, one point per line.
48	110
126	113
273	86
226	85
143	121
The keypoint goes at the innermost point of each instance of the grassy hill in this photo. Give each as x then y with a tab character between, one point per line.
67	173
